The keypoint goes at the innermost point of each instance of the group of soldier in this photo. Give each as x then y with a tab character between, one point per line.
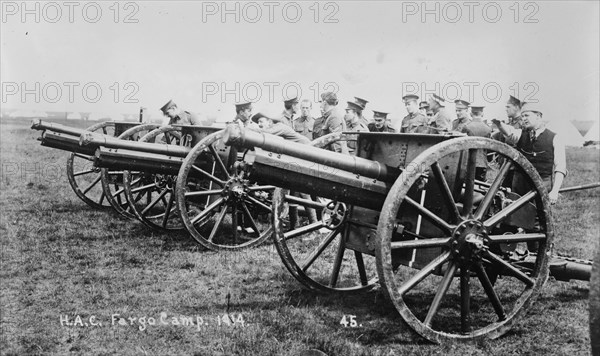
524	129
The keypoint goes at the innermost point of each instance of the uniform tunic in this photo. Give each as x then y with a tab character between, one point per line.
460	124
384	128
185	118
330	122
357	127
282	130
304	126
414	123
440	122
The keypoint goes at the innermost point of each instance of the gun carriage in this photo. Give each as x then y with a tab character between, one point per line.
408	214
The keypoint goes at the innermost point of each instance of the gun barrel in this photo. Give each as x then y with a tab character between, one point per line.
40	125
64	142
580	187
95	140
245	138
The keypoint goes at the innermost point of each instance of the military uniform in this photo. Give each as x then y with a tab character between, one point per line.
286	118
461	124
185	118
384	128
304	126
331	121
414	123
282	130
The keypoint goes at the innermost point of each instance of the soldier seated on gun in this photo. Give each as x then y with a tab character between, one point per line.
179	116
266	124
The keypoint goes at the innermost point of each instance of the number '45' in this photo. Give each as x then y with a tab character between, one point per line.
349	321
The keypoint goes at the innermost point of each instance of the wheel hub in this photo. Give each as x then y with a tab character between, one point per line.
469	239
236	188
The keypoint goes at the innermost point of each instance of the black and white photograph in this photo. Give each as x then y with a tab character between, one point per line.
300	177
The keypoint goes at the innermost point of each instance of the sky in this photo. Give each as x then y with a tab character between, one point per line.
116	57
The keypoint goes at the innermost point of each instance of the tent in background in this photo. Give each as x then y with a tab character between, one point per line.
593	133
568	131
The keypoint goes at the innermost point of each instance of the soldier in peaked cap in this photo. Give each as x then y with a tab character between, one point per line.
363	105
462	115
353	123
476	127
513	111
331	120
379	123
243	114
423	106
179	116
290	109
441	120
414	122
542	147
266	124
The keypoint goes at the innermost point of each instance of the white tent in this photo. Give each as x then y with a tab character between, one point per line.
593	133
568	131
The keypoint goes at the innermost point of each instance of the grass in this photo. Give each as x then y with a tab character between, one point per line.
61	258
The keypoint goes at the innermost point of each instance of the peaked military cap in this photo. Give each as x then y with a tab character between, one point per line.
438	99
380	114
410	97
461	104
354	106
361	102
514	101
423	105
167	106
292	101
477	109
242	106
258	116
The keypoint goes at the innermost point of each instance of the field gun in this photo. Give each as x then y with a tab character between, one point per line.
407	214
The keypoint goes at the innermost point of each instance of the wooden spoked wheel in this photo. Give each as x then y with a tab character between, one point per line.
84	178
219	206
431	234
317	253
151	196
112	179
595	306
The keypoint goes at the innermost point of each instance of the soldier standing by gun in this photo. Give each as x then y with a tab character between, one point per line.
287	116
462	115
304	123
478	128
179	116
414	122
441	120
542	147
379	123
330	121
354	123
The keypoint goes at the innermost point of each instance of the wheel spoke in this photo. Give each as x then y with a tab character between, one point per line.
261	187
102	197
465	300
469	183
219	161
446	192
153	202
76	174
168	210
89	187
489	196
319	250
208	175
234	222
249	216
337	263
258	203
203	192
206	211
143	187
218	223
517	237
422	243
489	290
307	203
439	295
428	214
303	230
423	273
514	271
360	264
514	206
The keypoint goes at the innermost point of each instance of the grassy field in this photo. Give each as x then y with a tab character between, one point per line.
125	289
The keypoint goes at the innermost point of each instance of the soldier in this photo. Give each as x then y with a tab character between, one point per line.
244	113
179	116
304	123
291	108
363	105
462	115
513	111
267	125
353	123
441	120
423	106
330	121
379	123
478	128
414	122
542	147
